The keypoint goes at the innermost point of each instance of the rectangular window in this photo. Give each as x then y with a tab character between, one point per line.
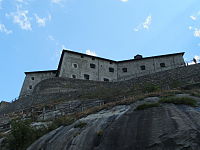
92	66
106	80
74	76
30	87
142	67
32	78
86	76
93	58
124	69
111	69
82	56
75	65
162	65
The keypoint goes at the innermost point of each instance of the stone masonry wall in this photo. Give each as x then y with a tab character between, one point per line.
66	89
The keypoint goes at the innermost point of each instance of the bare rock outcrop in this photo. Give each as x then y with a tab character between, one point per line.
167	127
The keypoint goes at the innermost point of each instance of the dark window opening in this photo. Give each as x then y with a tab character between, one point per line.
74	76
92	65
111	62
93	58
82	56
86	76
124	69
111	69
30	87
143	67
162	65
106	80
32	78
75	65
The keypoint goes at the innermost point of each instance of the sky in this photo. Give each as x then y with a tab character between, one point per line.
34	32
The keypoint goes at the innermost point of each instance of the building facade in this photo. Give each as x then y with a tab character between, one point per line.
81	66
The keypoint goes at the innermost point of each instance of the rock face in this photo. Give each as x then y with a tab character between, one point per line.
167	127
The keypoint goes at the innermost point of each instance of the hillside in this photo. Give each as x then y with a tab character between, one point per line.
157	111
165	127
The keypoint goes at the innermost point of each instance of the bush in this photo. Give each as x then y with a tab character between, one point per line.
61	121
148	88
22	135
179	100
80	125
147	105
100	133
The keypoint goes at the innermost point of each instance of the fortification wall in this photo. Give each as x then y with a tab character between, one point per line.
151	65
66	89
75	65
32	79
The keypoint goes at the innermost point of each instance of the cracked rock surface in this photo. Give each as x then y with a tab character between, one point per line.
167	127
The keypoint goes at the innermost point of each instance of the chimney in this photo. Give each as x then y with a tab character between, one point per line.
138	56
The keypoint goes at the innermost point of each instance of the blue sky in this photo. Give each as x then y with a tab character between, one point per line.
33	32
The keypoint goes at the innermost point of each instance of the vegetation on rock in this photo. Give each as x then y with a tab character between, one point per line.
179	100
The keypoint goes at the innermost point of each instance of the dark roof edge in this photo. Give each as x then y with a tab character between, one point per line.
182	53
166	55
69	51
41	71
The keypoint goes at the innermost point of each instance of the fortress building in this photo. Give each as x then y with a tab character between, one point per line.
81	66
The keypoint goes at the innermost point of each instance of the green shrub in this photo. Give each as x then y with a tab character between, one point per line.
148	88
147	105
23	134
80	125
61	121
179	100
175	84
100	133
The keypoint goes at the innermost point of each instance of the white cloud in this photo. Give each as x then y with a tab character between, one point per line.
145	25
197	32
56	1
147	22
197	58
42	21
21	18
50	37
124	0
92	53
4	29
193	18
190	28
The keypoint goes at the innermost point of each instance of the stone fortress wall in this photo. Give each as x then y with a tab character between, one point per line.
33	78
81	66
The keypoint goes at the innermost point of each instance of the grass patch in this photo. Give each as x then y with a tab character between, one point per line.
100	133
148	88
179	100
147	105
80	125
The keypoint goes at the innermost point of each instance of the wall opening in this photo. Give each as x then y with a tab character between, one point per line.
111	69
86	76
32	78
143	67
162	65
124	69
30	87
74	76
92	66
106	79
75	65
